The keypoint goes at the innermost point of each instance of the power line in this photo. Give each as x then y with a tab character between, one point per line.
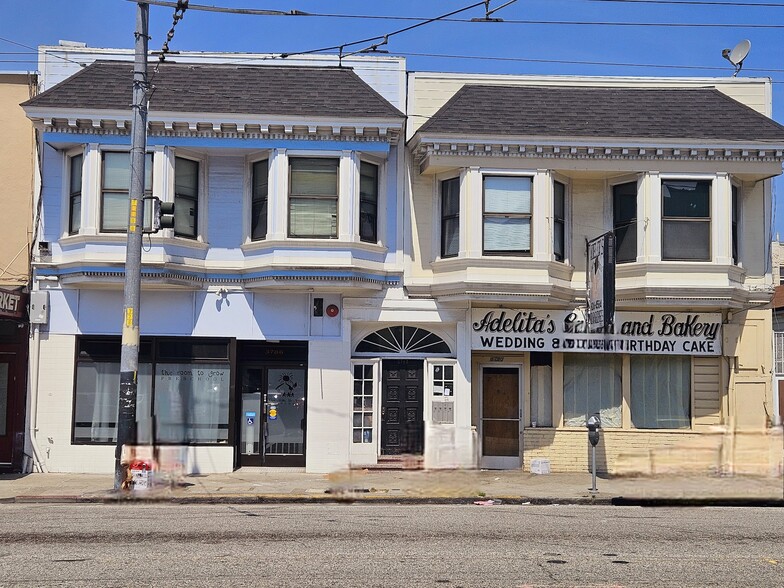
697	3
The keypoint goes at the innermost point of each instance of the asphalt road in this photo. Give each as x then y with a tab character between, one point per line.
382	545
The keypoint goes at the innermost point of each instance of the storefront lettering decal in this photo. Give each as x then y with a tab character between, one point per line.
633	332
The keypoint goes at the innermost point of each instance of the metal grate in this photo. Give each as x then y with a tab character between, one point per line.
778	354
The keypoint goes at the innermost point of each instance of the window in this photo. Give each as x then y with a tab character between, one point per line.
368	202
660	394
186	197
592	384
258	207
541	389
363	404
450	217
559	221
75	195
313	199
735	204
115	189
443	379
183	387
507	215
625	222
686	224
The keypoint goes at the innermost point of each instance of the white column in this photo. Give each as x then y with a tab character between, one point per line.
348	196
649	218
542	216
721	219
471	213
91	190
277	195
464	441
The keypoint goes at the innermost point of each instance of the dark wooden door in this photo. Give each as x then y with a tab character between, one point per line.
11	415
402	423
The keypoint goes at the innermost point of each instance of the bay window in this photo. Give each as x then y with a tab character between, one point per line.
313	197
75	194
115	189
368	202
186	197
686	220
259	200
450	217
506	215
559	220
625	221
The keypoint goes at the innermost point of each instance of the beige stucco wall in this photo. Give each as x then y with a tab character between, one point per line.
16	180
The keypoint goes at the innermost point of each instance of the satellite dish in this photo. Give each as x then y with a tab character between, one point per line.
737	54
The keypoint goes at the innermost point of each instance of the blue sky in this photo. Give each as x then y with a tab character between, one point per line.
541	45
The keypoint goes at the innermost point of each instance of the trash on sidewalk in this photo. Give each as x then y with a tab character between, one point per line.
491	502
540	466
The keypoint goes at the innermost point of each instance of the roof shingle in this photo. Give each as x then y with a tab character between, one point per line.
591	111
215	88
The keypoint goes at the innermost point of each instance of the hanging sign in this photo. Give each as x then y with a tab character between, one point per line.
692	333
601	281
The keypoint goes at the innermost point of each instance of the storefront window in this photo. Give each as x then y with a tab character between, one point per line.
541	389
192	403
190	395
592	384
660	394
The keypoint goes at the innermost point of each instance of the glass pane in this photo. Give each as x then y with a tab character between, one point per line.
358	371
251	423
450	239
500	438
368	403
686	240
285	411
686	198
660	391
192	403
592	384
357	436
184	216
117	171
450	197
624	202
367	221
541	396
313	217
367	419
114	212
368	182
626	243
186	177
559	200
507	194
76	214
314	176
558	240
260	179
258	220
357	419
357	402
76	173
507	234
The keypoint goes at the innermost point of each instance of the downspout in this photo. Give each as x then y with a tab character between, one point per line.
34	370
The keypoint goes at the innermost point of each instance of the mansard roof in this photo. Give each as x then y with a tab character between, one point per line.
607	112
271	90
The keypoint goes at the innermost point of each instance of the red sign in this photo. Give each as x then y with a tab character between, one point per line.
12	304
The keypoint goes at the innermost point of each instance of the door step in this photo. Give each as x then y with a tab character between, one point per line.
397	462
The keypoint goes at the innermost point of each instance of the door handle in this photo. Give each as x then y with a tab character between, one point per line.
383	412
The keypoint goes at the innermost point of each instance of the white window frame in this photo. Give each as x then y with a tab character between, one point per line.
342	181
738	184
436	244
556	177
160	171
640	218
714	244
65	216
247	206
366	452
201	202
381	198
430	365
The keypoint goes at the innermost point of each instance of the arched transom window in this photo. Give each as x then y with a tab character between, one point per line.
403	339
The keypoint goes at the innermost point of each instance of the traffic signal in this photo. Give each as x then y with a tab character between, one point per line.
162	215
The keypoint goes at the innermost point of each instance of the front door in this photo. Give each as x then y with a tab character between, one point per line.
272	418
6	410
402	401
501	416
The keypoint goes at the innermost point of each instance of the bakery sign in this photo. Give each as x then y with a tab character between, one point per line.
666	333
12	304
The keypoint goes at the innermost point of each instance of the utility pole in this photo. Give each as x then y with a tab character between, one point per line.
129	356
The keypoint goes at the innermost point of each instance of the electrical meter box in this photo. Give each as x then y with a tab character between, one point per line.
39	307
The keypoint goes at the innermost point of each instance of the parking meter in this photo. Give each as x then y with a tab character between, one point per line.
594	424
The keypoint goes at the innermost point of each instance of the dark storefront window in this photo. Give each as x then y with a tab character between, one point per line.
182	397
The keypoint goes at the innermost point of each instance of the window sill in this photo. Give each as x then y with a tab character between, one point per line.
122	238
312	244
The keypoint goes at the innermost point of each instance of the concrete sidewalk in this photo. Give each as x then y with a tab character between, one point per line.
256	485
